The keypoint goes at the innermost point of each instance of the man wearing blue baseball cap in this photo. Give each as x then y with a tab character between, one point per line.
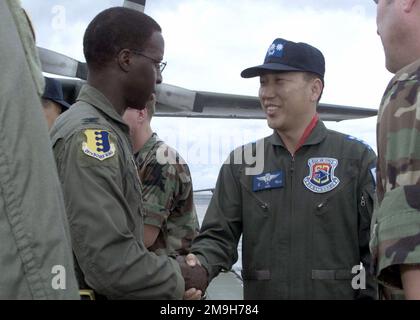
53	101
305	216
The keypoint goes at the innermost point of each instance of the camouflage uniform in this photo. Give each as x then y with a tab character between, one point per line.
167	197
396	222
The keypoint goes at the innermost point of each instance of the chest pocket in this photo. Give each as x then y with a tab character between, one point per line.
258	202
335	212
346	191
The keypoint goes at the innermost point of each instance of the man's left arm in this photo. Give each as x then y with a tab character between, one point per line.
157	193
183	220
168	200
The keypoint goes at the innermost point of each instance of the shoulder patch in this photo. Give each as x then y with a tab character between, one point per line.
360	141
98	144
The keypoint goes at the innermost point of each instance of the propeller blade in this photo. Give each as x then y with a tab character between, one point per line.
135	4
59	64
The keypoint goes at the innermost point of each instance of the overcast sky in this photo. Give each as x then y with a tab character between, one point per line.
209	42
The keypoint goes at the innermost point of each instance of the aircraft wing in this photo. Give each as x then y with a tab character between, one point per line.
135	4
175	102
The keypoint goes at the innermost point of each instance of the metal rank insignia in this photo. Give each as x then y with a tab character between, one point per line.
321	177
98	144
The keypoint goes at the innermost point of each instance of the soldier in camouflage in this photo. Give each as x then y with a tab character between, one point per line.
171	221
395	243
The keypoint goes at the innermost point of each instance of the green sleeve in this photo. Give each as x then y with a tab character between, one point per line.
217	243
35	248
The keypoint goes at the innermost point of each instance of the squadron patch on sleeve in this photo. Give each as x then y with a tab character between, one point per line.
351	138
321	177
98	144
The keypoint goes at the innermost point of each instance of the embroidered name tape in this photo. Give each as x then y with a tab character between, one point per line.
270	180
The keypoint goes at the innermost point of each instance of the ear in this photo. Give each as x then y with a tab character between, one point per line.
408	5
316	89
143	115
124	59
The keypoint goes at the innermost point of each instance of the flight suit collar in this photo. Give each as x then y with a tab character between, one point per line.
95	98
317	135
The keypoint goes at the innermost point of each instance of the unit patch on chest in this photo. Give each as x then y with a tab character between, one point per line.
269	180
321	177
98	144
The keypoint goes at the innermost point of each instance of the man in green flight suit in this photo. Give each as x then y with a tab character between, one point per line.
123	49
301	198
35	251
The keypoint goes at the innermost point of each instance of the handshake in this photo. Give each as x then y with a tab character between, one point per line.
195	276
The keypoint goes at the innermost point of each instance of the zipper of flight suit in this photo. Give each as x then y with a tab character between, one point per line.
292	172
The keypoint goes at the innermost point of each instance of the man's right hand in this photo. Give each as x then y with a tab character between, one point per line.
195	276
192	294
192	260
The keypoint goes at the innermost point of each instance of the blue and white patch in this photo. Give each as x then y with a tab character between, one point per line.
270	180
359	140
373	173
321	177
275	50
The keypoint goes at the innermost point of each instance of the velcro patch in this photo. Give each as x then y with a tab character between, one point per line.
321	177
360	141
270	180
98	144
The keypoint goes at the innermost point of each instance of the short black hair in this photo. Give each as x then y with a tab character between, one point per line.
115	29
309	76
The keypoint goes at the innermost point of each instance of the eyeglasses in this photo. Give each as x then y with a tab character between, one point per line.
159	64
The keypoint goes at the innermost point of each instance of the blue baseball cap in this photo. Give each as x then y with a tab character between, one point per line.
54	91
284	55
